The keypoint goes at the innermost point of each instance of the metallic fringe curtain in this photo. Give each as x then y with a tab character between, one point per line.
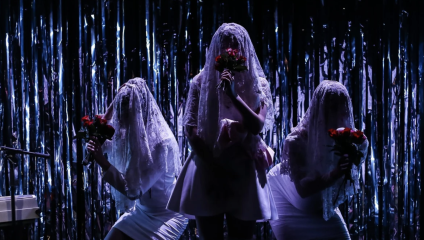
61	60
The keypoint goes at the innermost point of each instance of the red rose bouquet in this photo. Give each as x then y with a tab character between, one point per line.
94	128
230	60
346	142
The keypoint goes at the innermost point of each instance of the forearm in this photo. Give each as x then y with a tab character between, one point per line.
117	180
199	147
252	121
103	162
310	185
197	144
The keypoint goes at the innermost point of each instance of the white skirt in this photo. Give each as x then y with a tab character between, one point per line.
307	223
237	189
145	223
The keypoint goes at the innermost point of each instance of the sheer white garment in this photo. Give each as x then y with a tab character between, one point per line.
307	148
250	85
149	219
301	218
234	184
139	130
145	163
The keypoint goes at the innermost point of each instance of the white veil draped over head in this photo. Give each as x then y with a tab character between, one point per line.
307	152
143	147
250	85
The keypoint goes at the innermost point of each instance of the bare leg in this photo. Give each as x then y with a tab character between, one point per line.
116	234
239	229
211	228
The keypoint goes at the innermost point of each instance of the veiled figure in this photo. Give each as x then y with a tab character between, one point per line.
144	164
225	172
309	185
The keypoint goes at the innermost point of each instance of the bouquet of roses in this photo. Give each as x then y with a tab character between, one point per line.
94	128
346	142
230	60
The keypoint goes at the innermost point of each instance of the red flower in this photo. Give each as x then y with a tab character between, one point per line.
357	134
89	123
229	60
346	132
103	121
332	133
85	119
358	137
231	52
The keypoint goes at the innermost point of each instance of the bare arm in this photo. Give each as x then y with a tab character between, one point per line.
197	144
111	175
309	185
253	121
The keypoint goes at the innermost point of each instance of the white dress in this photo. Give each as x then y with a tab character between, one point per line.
234	185
301	218
306	152
149	219
145	162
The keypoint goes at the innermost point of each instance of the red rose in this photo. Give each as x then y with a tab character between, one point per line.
85	119
243	58
217	58
357	134
332	133
230	52
103	121
358	137
90	123
346	132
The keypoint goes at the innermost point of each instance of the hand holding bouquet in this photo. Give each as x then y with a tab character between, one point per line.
346	142
94	128
230	61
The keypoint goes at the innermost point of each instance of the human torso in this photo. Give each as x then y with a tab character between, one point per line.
158	195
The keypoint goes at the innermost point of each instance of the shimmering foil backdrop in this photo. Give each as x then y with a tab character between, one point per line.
61	60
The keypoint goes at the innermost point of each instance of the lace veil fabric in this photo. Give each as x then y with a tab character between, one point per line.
306	150
143	147
213	105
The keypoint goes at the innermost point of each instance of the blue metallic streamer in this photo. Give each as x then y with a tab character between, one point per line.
51	78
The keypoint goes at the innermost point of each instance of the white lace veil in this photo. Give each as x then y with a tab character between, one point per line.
143	147
251	85
330	107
